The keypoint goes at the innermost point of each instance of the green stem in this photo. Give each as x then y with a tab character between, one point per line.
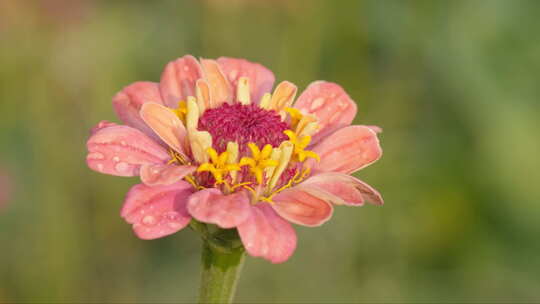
222	261
220	272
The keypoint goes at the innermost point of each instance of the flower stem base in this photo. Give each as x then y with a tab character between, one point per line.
220	273
222	260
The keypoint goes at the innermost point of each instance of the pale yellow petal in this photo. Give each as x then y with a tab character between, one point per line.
242	91
286	148
265	101
200	141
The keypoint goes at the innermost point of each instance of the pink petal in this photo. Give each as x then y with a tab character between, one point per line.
162	174
102	124
226	211
347	150
347	189
261	79
330	104
178	80
157	211
375	129
303	206
220	88
265	234
127	104
166	125
121	150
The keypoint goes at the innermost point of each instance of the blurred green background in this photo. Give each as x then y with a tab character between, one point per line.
454	84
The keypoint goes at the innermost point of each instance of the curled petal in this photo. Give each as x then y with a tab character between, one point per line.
303	206
331	105
261	79
161	174
347	189
283	96
220	88
166	125
347	150
128	102
121	150
265	234
226	211
375	129
157	211
178	80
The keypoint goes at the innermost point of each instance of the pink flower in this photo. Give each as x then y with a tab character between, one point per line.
211	142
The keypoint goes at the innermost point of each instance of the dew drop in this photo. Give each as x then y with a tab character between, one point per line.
317	103
171	215
116	159
173	225
149	220
121	167
96	155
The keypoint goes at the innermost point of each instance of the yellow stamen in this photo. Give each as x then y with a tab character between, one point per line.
241	185
297	178
259	161
299	145
218	165
176	158
296	116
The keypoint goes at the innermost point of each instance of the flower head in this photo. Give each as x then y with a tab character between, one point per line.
210	141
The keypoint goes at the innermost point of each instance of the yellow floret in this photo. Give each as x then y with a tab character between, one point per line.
299	145
218	165
259	161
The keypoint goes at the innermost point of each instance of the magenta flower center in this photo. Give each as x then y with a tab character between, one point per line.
243	124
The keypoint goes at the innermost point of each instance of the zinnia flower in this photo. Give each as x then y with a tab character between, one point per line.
210	142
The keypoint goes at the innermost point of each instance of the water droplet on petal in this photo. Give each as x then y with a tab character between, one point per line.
149	220
173	215
121	167
116	159
173	225
316	103
95	155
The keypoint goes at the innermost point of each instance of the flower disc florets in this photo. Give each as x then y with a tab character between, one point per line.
243	124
